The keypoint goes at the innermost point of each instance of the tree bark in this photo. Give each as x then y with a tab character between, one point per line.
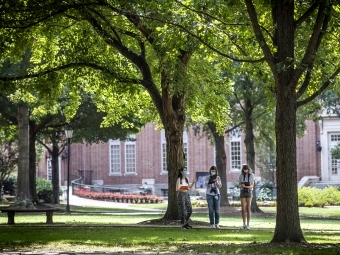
175	159
55	171
23	181
32	163
286	176
287	227
249	142
221	163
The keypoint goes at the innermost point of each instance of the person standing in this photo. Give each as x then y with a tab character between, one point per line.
183	197
246	184
213	183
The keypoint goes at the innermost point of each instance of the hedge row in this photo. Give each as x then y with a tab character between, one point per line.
314	197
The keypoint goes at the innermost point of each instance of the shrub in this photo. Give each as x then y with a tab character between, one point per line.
199	204
10	185
265	194
44	190
311	196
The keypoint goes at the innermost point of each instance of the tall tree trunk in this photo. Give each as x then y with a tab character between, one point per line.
286	176
285	128
23	182
55	171
249	142
32	163
172	115
221	162
175	160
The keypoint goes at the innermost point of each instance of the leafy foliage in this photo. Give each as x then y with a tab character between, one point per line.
10	185
311	196
44	190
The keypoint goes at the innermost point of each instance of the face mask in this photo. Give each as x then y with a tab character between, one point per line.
185	172
212	173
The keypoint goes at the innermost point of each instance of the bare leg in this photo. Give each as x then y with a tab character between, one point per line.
244	209
248	208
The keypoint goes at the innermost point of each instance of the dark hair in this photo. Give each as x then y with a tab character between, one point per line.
246	167
180	175
213	168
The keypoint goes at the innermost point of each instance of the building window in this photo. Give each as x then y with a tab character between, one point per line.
49	169
185	150
235	155
335	138
335	166
130	158
115	165
164	166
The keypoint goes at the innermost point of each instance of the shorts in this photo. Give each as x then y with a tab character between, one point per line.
246	194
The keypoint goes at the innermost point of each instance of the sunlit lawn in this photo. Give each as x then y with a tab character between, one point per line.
156	239
117	230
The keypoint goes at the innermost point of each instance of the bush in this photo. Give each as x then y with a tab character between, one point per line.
310	196
265	194
10	185
44	190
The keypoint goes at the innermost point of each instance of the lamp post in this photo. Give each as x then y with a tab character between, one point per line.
68	133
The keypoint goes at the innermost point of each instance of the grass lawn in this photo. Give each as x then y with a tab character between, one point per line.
90	229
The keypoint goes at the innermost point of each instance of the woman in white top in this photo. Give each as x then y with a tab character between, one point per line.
183	197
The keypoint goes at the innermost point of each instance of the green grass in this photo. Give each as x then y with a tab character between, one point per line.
117	230
157	239
327	212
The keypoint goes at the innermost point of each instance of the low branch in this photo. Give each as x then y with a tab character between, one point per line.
68	66
322	88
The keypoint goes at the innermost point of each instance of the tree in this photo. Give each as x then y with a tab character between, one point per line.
298	42
23	188
87	126
157	55
292	74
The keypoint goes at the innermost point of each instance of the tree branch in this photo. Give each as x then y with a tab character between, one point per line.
72	65
320	27
259	36
306	15
322	88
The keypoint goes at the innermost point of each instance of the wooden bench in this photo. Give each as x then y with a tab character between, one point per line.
9	198
12	210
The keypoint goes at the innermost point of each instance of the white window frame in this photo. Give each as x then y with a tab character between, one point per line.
335	163
49	169
185	149
235	142
164	169
130	155
115	143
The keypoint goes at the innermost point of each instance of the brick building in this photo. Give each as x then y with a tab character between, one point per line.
126	165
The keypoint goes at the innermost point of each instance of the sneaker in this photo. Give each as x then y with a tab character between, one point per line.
217	226
188	226
212	226
244	226
247	227
184	227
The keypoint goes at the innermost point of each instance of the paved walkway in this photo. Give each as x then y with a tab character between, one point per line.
78	201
